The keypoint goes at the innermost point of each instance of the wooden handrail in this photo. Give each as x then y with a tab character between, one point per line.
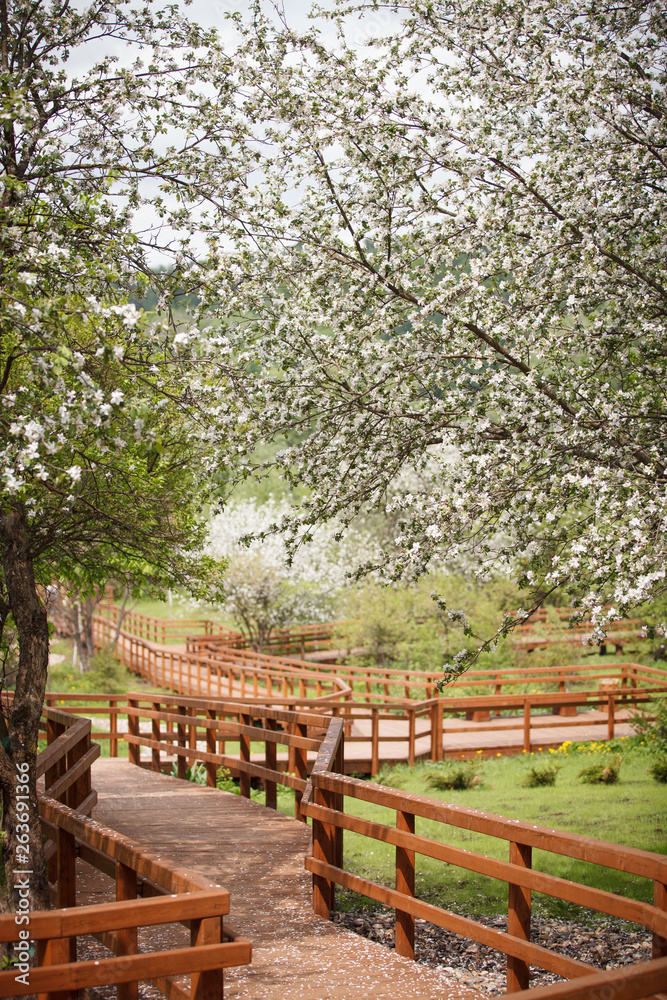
188	719
631	982
323	803
185	897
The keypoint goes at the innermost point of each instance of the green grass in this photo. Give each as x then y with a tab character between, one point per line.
181	607
631	812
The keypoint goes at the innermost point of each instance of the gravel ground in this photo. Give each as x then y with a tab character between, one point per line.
606	946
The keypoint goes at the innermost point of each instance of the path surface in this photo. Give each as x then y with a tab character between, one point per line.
258	854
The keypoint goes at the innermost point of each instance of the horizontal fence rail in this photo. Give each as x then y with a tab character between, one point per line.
66	761
231	673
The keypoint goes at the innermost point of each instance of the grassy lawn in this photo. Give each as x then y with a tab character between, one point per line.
181	607
631	812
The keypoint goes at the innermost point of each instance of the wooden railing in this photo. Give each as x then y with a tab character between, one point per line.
424	726
164	630
231	673
323	802
299	639
177	725
65	763
394	684
550	626
182	897
186	898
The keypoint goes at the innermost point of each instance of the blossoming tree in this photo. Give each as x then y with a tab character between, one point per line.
265	586
114	429
468	251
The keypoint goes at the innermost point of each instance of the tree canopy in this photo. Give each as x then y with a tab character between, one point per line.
463	278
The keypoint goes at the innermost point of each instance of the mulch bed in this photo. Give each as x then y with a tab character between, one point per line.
605	945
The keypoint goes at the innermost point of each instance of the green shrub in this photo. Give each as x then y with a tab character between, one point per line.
196	773
603	772
107	674
651	726
455	777
659	770
541	774
225	782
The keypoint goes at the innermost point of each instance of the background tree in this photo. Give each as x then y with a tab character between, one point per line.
265	586
114	429
466	274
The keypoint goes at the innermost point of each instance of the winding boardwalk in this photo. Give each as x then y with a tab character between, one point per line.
258	855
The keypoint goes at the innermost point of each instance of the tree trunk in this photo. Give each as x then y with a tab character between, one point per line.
23	852
83	630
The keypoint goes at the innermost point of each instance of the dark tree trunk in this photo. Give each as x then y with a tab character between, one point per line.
23	850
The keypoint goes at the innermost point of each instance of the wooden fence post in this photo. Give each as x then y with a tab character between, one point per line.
54	951
155	731
113	725
405	882
659	948
526	725
610	716
338	803
211	767
181	762
66	888
518	919
323	888
375	741
206	985
127	939
301	768
411	737
436	731
134	750
270	760
244	753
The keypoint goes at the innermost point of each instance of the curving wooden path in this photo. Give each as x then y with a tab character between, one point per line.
257	854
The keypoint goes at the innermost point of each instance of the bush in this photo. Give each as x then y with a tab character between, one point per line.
225	782
652	727
604	772
541	774
107	674
196	773
659	770
455	777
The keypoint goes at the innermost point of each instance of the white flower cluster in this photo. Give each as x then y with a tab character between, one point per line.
480	266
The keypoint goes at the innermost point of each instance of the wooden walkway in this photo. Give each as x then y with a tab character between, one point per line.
258	855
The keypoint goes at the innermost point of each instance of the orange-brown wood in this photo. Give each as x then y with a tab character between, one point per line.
597	899
659	945
527	951
127	939
518	918
78	976
244	750
405	884
619	857
627	983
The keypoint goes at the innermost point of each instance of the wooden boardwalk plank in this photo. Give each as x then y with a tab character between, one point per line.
258	855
